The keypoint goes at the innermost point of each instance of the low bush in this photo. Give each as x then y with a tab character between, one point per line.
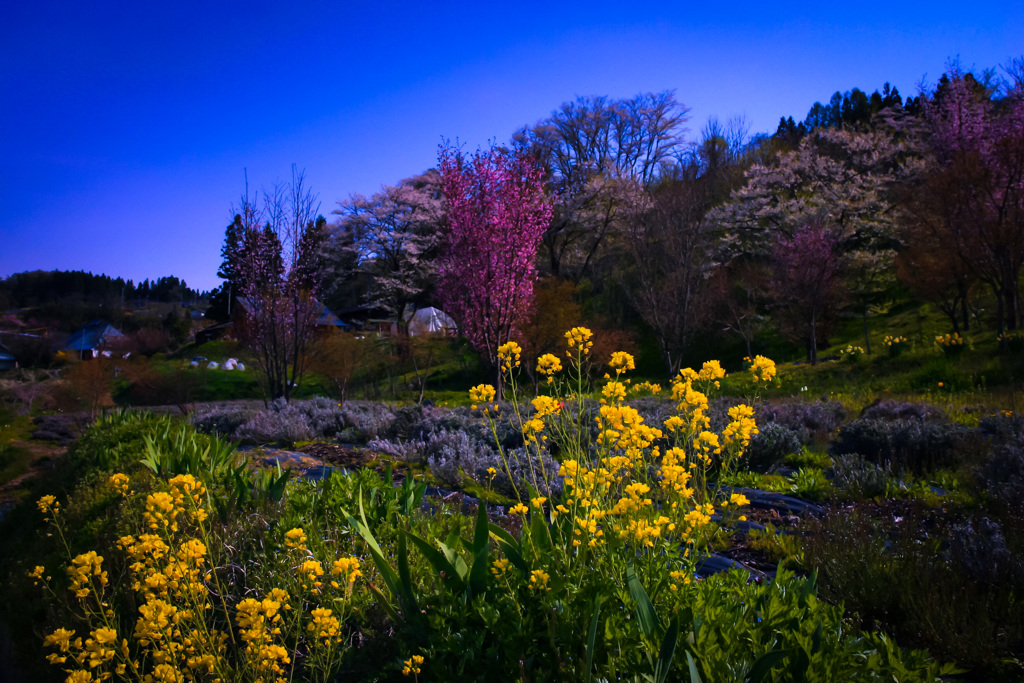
771	445
910	445
952	587
855	477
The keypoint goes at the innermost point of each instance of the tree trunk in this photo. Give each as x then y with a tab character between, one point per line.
867	340
812	351
962	288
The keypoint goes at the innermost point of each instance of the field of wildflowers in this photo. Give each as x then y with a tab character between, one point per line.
171	560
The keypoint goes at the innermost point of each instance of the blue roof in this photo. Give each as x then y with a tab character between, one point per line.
91	336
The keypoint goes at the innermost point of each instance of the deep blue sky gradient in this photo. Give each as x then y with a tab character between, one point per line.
127	127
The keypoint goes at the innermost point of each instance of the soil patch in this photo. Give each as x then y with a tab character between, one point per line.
337	456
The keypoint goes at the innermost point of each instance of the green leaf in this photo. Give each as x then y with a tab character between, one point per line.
481	537
481	552
592	637
809	588
408	597
645	612
510	547
667	651
449	574
503	535
539	533
694	673
764	664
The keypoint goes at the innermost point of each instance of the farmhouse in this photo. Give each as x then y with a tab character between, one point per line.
91	340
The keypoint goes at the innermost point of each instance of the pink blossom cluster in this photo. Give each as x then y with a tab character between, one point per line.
496	213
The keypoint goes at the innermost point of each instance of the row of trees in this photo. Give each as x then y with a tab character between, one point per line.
723	233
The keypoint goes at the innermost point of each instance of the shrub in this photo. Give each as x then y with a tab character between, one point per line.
222	420
807	417
283	425
773	443
858	478
1002	476
908	445
1004	427
899	410
364	420
950	588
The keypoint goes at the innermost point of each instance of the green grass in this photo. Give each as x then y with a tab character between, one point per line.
14	459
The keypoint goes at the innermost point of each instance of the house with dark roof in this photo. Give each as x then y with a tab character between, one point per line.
90	341
325	320
7	360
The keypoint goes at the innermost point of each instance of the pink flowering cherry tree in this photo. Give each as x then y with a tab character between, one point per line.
496	213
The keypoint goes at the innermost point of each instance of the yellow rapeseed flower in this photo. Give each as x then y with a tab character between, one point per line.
508	356
549	364
295	538
482	393
413	665
579	337
762	369
621	362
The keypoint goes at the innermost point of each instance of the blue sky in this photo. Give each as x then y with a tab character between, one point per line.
127	127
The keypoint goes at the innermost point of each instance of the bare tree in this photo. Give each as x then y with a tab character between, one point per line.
671	244
279	271
591	147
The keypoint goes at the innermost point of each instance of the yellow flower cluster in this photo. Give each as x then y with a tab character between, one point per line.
677	578
613	391
711	371
119	482
482	393
346	568
259	622
548	365
509	355
738	433
499	567
851	352
324	625
579	338
621	362
646	388
623	428
295	539
691	404
37	574
948	341
762	369
87	575
311	571
643	532
544	406
413	665
539	580
48	505
164	508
